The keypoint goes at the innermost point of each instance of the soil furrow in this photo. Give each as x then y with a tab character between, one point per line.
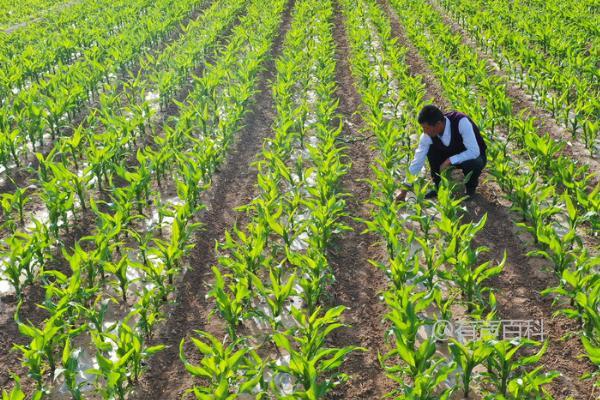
232	187
518	287
357	283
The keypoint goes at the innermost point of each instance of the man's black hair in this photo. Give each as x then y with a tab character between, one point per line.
430	114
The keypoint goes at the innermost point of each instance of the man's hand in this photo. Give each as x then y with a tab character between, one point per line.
401	195
445	164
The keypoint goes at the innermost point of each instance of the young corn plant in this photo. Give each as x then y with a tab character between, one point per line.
556	250
15	203
111	373
467	356
148	309
228	370
58	203
530	384
10	143
421	374
470	278
581	285
69	370
19	268
314	271
138	184
128	339
408	306
232	300
310	359
246	253
277	295
429	384
505	365
39	355
403	267
16	393
96	313
119	271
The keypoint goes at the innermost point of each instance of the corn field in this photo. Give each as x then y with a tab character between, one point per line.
199	200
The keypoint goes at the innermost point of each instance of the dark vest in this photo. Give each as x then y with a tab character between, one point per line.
438	152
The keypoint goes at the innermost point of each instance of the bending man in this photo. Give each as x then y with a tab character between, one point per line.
450	139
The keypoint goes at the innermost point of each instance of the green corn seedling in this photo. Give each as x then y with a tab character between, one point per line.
229	369
467	357
15	202
16	393
504	363
232	305
313	359
276	295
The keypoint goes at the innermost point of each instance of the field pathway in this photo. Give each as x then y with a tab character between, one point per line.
358	284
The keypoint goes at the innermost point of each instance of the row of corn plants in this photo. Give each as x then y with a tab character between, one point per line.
545	153
51	105
577	31
564	172
119	345
171	69
568	41
28	54
68	175
566	85
433	267
126	114
89	159
553	218
12	12
273	274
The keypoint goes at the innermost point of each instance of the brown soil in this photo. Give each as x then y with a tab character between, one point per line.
233	186
518	295
357	283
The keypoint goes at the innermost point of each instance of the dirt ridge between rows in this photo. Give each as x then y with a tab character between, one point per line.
233	186
358	284
518	288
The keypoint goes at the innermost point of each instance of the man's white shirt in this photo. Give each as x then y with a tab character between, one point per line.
465	128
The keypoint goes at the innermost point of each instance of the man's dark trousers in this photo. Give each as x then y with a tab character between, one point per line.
475	166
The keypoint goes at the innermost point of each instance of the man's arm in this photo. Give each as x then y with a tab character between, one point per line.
420	156
465	128
418	161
